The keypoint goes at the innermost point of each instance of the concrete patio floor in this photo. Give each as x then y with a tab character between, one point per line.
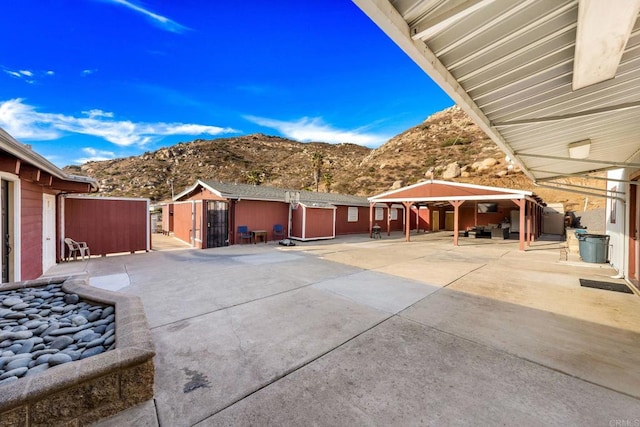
380	332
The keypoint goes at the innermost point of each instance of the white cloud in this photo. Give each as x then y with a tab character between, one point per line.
314	129
88	72
26	73
159	20
97	113
94	155
50	73
23	122
13	73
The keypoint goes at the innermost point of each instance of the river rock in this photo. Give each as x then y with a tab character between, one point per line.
59	359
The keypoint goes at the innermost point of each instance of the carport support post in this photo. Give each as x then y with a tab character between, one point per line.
371	209
456	215
521	203
407	225
389	218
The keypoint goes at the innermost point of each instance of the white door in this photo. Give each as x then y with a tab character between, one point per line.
48	231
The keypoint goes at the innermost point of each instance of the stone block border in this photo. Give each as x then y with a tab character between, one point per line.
82	392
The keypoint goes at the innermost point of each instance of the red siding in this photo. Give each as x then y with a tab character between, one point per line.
198	215
319	223
261	215
31	230
167	218
296	222
182	221
107	225
205	194
345	227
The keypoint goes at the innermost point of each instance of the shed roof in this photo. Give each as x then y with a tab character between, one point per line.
521	71
443	191
262	192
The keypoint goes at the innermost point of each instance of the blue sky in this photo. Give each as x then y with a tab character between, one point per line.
98	79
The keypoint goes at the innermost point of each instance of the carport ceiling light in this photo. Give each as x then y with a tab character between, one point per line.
580	149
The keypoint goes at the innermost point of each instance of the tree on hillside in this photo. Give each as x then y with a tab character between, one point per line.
317	162
327	180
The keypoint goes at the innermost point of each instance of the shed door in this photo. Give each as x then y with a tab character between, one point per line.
217	220
435	221
48	231
449	222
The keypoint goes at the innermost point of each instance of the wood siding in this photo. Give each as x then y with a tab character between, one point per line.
260	215
343	226
107	225
31	230
297	217
319	223
167	218
183	221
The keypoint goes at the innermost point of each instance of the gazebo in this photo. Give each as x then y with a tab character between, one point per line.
473	206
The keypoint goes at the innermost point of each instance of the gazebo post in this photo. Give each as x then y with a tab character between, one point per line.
521	204
456	215
529	233
407	221
371	209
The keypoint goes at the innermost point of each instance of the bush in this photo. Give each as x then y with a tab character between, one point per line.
455	141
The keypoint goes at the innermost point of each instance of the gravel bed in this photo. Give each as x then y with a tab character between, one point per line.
43	327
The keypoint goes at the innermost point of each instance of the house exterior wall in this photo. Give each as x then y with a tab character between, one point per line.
30	230
198	224
343	226
205	194
260	215
183	221
167	218
108	225
616	220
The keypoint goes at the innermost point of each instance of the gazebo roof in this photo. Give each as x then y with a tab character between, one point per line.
443	191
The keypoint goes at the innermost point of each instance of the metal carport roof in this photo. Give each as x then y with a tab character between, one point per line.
511	64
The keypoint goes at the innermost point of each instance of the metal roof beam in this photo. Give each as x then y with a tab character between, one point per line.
580	114
425	28
568	159
603	31
586	193
580	175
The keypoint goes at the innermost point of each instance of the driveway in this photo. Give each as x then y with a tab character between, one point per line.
360	332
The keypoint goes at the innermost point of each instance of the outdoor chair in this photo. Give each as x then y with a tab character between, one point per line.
278	231
244	233
76	248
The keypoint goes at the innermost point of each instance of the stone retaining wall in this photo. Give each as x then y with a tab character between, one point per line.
84	391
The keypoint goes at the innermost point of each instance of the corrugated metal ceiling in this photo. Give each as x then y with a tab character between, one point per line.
513	59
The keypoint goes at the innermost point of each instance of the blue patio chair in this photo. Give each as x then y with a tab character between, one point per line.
243	233
278	232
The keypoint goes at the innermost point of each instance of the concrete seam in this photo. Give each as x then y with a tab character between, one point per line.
155	409
295	369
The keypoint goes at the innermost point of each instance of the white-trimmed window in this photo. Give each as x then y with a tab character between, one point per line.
352	214
379	214
394	214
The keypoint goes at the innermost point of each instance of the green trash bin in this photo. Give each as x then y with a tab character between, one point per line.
594	247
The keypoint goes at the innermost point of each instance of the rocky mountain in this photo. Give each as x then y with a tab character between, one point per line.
447	145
